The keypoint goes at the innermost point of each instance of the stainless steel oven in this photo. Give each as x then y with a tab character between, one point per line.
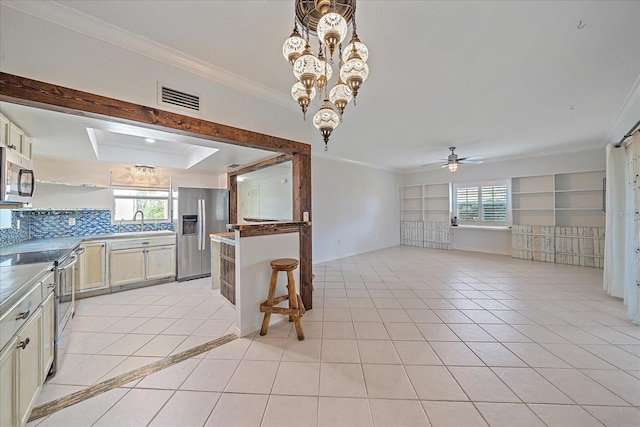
17	181
64	306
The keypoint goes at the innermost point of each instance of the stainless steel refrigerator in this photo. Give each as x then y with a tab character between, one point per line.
200	212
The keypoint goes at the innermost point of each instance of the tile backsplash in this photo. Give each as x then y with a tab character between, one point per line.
14	234
48	223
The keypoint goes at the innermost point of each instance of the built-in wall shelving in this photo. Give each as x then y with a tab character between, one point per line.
556	217
425	213
427	203
572	199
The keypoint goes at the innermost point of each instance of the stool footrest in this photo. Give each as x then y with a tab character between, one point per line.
281	310
301	305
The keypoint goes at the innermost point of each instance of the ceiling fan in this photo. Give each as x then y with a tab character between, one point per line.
454	162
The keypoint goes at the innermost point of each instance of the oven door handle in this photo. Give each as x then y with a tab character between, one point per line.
69	262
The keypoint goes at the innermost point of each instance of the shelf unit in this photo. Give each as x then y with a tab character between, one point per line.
572	199
426	203
532	200
425	215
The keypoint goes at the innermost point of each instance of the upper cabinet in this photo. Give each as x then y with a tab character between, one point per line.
14	138
4	131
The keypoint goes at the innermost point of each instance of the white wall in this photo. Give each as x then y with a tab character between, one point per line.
499	241
354	209
276	197
98	174
569	162
253	275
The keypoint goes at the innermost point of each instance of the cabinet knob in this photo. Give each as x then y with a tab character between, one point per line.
23	315
24	344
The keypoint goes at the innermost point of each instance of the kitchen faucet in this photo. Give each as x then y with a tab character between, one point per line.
120	224
142	221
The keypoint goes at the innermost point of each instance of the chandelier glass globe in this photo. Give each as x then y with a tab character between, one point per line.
354	72
307	69
361	49
340	95
332	30
299	94
326	120
293	46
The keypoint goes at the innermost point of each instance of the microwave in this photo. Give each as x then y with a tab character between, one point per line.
17	181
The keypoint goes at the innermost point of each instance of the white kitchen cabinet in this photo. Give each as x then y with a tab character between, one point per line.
14	138
140	260
27	147
161	262
4	131
9	384
90	271
16	135
29	364
127	266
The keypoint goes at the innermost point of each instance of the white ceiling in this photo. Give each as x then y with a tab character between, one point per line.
494	78
65	136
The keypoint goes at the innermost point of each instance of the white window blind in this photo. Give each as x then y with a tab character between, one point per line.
482	204
495	203
467	206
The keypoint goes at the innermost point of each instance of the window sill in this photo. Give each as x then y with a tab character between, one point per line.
482	227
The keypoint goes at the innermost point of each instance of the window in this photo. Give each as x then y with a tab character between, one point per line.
482	203
154	203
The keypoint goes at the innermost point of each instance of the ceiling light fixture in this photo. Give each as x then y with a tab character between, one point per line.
150	140
329	20
452	166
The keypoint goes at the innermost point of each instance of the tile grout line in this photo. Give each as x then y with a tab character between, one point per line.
104	386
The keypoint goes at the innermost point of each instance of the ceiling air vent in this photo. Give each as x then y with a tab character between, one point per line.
177	98
233	166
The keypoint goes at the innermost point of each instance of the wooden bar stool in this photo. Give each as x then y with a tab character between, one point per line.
296	308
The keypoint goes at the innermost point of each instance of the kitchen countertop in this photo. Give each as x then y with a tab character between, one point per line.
229	238
15	280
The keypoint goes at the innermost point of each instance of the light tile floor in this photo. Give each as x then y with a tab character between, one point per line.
397	337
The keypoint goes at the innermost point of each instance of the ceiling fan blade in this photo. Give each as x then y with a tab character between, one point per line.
473	158
430	164
471	162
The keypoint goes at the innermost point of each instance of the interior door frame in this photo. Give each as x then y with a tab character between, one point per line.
34	93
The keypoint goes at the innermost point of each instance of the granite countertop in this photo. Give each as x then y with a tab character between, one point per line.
15	280
229	238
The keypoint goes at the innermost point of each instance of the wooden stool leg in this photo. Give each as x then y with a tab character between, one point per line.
291	288
293	303
270	298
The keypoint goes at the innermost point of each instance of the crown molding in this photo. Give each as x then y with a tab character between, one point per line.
627	115
74	20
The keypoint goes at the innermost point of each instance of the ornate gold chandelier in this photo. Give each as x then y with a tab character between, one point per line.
329	21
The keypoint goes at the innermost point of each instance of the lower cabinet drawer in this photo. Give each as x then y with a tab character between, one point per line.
17	315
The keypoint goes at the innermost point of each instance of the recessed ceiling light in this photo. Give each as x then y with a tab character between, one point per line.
150	140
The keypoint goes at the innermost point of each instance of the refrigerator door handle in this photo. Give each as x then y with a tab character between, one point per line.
200	221
203	224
